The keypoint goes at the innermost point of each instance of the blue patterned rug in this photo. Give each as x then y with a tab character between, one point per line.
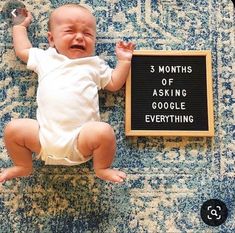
168	177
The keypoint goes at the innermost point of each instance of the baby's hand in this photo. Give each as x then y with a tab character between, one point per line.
23	17
124	50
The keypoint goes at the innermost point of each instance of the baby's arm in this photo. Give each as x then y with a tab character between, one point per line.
124	51
21	41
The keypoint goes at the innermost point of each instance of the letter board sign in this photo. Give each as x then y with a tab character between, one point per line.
169	93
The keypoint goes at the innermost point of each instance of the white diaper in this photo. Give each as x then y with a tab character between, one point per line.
71	158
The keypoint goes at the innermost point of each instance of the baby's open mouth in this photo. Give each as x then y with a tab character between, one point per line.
78	47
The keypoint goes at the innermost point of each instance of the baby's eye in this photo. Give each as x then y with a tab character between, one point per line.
89	34
69	31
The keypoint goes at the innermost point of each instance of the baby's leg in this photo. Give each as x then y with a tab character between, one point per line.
98	139
21	139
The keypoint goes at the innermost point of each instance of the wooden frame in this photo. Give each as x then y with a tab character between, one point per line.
210	132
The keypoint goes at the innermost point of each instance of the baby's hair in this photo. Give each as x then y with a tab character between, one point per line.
49	24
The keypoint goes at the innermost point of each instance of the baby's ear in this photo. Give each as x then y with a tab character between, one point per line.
50	39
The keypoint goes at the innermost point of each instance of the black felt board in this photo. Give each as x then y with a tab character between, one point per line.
169	94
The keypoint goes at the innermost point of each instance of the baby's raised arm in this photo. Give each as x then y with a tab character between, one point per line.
21	41
124	51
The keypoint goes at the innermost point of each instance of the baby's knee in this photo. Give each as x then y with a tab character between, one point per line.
13	128
105	132
101	133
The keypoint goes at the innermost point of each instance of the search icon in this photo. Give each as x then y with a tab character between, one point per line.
214	212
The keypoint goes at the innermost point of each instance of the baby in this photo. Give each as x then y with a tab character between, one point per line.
68	130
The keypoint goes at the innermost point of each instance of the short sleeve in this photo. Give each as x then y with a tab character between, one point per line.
105	73
34	59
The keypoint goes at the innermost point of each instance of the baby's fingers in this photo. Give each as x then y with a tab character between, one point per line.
29	16
126	45
22	17
130	46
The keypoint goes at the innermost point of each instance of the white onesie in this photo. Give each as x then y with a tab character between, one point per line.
67	97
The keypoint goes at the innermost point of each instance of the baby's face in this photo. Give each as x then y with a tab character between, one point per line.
73	32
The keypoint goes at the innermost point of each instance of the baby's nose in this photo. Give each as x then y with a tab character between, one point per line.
79	36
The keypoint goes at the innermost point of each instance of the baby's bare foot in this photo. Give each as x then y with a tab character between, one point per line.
110	175
13	172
